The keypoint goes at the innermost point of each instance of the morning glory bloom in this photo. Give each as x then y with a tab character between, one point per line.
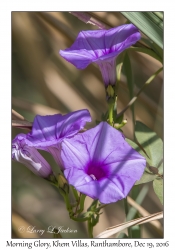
101	164
48	131
101	47
30	157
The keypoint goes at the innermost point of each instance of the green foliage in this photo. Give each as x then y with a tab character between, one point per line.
151	147
158	188
151	143
136	232
146	177
158	55
149	23
136	147
122	236
129	76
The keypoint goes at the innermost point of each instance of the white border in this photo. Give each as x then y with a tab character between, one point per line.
5	95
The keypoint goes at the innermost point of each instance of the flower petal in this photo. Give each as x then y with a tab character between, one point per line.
101	164
98	45
104	190
79	58
120	38
74	153
88	46
51	129
30	157
102	140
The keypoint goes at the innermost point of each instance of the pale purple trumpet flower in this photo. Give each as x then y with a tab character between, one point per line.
101	47
30	157
48	131
101	164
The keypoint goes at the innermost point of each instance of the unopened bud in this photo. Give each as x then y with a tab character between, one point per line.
30	157
110	91
120	125
62	184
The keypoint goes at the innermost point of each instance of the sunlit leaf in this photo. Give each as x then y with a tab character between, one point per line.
158	188
153	147
159	14
146	177
136	147
151	143
149	23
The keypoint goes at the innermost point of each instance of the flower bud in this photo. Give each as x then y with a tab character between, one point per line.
110	91
30	157
63	184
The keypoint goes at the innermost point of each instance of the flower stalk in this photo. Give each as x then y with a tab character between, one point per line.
111	112
90	228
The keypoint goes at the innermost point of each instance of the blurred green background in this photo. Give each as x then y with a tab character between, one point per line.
44	83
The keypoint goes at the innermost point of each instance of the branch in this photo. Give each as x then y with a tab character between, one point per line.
87	18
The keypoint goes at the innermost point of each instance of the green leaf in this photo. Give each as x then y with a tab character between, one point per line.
158	50
159	14
136	231
149	23
136	147
153	146
160	169
151	143
132	213
153	46
122	236
147	51
158	188
128	72
146	177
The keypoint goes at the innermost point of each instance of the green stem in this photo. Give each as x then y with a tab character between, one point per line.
82	199
90	228
81	219
68	205
100	207
111	108
140	91
75	194
126	213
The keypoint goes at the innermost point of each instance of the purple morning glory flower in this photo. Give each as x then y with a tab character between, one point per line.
30	157
101	47
48	131
101	164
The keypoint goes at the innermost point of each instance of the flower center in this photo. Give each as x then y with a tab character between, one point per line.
93	177
96	172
